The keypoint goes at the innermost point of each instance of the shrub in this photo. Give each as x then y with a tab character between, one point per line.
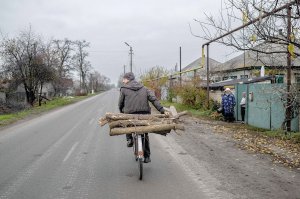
192	96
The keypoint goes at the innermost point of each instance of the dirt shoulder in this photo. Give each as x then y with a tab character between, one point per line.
282	151
247	164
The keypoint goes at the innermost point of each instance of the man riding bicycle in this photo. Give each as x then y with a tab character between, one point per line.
134	99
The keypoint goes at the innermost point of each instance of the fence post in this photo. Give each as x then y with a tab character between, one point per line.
247	105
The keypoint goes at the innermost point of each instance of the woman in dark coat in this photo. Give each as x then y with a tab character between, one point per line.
228	103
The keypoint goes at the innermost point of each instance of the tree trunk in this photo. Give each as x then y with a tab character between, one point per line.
133	123
30	96
122	116
146	129
40	95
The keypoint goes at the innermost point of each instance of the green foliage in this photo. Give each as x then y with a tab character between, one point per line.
171	95
192	96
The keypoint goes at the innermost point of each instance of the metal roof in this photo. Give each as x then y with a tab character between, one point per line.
231	82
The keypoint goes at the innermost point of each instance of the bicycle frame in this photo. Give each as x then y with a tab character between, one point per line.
138	150
138	146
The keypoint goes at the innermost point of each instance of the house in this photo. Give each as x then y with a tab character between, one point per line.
189	73
249	63
4	87
19	95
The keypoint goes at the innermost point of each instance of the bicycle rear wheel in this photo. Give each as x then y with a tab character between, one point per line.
141	167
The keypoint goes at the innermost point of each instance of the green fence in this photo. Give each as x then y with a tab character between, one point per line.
264	106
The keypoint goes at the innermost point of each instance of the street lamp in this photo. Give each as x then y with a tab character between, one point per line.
130	52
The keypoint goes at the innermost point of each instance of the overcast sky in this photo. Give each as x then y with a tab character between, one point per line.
155	29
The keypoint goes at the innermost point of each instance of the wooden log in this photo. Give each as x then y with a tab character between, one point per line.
145	129
173	111
103	121
132	123
127	123
181	114
122	116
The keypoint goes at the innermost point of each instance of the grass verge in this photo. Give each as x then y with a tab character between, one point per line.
6	119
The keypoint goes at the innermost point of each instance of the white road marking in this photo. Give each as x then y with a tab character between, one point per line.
70	152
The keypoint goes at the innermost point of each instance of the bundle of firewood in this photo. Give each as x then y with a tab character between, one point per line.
120	123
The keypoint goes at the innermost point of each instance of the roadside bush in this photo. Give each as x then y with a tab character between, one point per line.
171	95
192	96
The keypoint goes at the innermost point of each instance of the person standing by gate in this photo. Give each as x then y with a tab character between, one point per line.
243	107
228	103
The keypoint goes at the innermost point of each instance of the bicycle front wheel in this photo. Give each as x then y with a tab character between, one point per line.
141	167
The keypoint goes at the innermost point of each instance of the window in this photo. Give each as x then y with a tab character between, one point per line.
244	76
225	78
233	77
217	79
279	79
297	78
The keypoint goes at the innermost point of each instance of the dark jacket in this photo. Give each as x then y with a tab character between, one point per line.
134	98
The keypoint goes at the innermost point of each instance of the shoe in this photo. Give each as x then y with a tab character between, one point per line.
129	143
147	160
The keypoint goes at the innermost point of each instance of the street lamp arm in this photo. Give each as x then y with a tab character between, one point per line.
127	44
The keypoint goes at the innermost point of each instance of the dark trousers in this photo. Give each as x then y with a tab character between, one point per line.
229	117
146	144
243	111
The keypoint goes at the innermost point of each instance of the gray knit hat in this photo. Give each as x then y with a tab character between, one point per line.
129	76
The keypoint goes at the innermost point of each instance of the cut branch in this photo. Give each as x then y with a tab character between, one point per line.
146	129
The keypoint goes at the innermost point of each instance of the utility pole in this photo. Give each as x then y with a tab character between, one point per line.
207	76
131	59
289	108
124	69
180	64
244	51
130	53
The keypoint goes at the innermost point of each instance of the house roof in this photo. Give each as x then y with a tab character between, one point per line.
255	59
231	82
197	63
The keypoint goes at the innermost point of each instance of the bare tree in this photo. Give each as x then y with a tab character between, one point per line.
82	65
98	82
46	71
268	31
23	60
62	51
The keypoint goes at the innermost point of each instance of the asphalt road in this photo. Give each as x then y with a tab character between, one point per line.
66	154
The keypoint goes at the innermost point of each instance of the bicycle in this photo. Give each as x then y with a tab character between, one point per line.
138	150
